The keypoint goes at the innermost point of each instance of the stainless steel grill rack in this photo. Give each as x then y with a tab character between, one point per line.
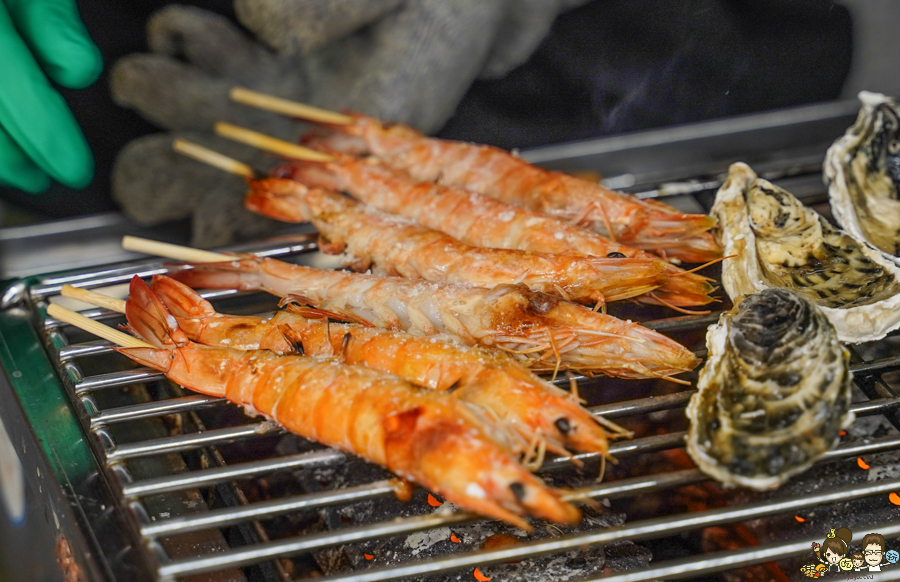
99	420
184	506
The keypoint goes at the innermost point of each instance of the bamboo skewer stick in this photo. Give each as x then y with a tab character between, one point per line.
270	144
287	107
89	325
94	298
170	251
213	158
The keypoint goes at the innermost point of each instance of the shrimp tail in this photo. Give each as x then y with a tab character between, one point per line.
241	274
280	199
181	300
176	356
148	317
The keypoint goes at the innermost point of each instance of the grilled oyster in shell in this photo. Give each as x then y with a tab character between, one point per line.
862	170
781	243
774	393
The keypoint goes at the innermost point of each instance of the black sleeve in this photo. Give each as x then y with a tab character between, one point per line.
615	66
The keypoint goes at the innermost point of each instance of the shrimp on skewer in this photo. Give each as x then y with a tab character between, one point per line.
644	224
533	407
541	331
421	435
396	246
482	221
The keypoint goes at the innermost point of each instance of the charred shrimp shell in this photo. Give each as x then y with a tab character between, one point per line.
781	243
862	170
773	394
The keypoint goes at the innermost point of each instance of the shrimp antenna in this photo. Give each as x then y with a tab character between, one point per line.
703	266
287	107
270	144
89	325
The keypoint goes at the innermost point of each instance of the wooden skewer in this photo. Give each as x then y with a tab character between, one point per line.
270	144
89	325
170	251
94	298
287	107
215	159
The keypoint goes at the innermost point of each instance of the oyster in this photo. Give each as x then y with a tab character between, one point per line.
781	243
773	394
862	170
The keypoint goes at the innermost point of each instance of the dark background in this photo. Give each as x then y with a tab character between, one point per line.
609	67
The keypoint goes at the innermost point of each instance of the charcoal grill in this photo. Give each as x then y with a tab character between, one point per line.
141	480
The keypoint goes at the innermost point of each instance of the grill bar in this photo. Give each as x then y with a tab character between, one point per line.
640	530
733	559
882	401
253	555
620	488
195	479
191	441
93	279
230	516
117	380
615	410
83	350
151	409
643	405
683	323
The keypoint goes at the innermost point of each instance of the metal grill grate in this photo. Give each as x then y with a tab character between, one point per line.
170	456
84	366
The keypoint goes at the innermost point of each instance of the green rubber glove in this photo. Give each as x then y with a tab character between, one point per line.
39	137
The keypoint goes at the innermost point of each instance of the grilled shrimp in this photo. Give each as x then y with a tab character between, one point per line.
535	409
483	221
645	224
396	246
421	435
542	331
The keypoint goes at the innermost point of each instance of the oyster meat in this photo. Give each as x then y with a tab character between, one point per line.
862	170
781	243
774	393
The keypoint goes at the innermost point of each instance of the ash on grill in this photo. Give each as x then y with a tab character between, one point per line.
448	540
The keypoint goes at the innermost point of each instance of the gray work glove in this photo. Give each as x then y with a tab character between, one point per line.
400	60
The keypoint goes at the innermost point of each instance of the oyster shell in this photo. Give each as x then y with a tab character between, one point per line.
773	394
862	170
781	243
